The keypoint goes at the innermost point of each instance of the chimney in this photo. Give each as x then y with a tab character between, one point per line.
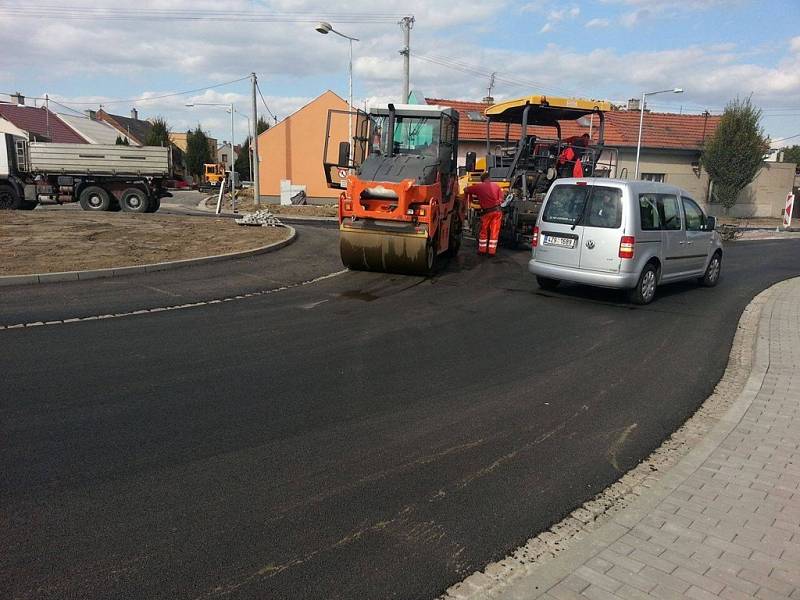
633	104
134	114
18	99
92	114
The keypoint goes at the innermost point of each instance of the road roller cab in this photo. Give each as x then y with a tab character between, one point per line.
400	207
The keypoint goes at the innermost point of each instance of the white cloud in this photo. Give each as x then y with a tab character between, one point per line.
794	44
546	28
598	23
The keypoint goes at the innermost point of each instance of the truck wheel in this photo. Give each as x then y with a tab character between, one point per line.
134	200
9	200
153	205
94	198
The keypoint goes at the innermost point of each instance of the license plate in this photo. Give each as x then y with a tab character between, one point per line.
562	242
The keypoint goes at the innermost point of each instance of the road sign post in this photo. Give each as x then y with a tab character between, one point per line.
787	213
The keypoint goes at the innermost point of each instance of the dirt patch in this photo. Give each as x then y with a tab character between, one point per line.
53	241
244	203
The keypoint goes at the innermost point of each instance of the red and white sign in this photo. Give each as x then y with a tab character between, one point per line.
787	215
342	174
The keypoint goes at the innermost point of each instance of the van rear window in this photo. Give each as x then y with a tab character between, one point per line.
589	205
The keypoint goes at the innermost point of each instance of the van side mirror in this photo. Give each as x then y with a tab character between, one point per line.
711	223
470	159
344	154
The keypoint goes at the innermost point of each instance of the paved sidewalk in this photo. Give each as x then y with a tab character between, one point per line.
722	523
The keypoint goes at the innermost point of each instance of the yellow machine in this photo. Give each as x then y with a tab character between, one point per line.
526	167
214	174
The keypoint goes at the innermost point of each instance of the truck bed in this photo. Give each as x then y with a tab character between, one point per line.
98	159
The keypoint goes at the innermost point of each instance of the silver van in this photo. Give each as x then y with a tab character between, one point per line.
623	234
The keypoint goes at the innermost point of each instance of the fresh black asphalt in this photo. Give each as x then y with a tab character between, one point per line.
366	436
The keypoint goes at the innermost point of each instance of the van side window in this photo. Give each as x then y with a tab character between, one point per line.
670	213
695	219
648	212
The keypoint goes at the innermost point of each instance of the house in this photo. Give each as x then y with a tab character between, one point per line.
91	129
36	123
179	140
133	128
670	152
223	154
293	149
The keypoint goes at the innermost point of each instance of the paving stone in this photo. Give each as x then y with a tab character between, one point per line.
772	583
698	580
700	594
597	579
594	592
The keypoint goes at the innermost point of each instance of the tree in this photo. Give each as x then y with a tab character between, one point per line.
792	154
734	154
197	152
159	133
242	164
122	141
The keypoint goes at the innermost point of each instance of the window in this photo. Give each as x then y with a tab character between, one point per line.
695	219
659	211
648	212
659	177
224	158
412	135
605	208
474	115
600	206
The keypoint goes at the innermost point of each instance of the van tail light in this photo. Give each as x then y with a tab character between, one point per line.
626	244
535	237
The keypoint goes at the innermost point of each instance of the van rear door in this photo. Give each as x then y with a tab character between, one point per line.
602	230
560	231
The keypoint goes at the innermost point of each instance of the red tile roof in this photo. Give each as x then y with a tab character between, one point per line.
34	120
660	130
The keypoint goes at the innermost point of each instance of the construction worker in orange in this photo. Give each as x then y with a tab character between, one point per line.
490	197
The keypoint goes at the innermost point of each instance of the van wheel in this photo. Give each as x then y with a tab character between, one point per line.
645	289
713	271
546	283
134	200
94	198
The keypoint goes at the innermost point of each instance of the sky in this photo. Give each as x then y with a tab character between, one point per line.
87	54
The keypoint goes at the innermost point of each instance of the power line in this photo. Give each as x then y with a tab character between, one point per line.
265	104
791	137
159	97
93	13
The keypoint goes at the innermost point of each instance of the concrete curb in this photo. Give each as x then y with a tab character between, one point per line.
532	580
8	280
203	207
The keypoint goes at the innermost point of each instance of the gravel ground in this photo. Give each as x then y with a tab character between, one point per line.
54	241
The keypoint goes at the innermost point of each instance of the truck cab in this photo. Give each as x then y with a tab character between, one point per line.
13	160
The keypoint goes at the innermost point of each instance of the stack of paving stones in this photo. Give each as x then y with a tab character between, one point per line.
264	218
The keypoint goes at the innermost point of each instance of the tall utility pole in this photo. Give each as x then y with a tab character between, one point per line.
406	23
254	148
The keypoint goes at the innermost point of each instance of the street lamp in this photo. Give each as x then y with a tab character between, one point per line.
326	28
641	120
250	148
233	177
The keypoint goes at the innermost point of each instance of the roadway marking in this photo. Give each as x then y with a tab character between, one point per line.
147	311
